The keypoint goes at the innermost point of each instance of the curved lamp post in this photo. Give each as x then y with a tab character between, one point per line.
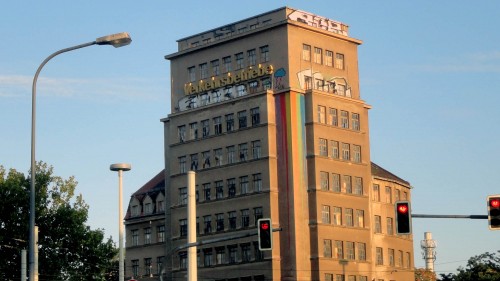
120	168
115	40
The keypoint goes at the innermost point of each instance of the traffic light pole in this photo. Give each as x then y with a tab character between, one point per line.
474	217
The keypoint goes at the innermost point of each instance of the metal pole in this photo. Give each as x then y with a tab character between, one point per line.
23	265
192	258
120	227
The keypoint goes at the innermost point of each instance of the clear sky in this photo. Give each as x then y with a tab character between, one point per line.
430	69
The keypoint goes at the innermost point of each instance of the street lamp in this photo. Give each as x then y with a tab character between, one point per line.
115	40
120	168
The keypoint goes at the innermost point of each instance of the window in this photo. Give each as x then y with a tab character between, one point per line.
203	71
361	251
205	157
160	233
231	187
388	194
355	121
220	255
246	253
308	82
232	220
327	248
233	253
407	260
306	52
397	195
349	221
264	53
346	152
239	61
405	195
400	259
349	250
379	256
245	218
334	147
226	64
207	257
339	61
328	58
324	180
182	133
219	190
215	67
390	253
255	115
257	182
207	221
147	235
160	206
192	74
333	117
358	186
340	277
336	183
328	277
243	151
360	218
321	114
258	214
376	193
323	147
218	156
347	184
135	237
244	185
252	57
318	55
135	267
356	153
344	119
242	119
183	228
253	87
219	222
241	90
159	264
390	228
207	191
218	125
325	214
230	122
378	224
230	154
266	83
337	216
194	162
148	208
205	125
339	249
256	151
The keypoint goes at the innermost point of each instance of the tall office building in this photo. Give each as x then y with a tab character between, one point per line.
267	111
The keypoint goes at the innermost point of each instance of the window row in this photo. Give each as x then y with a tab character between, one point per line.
339	150
342	217
344	250
389	225
390	195
219	222
218	125
341	277
330	86
332	118
147	236
329	58
230	254
234	187
394	258
147	268
341	183
229	63
148	207
218	157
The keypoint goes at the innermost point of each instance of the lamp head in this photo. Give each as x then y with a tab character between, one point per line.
116	40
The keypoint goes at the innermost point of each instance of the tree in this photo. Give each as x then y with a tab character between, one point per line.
483	267
422	274
67	248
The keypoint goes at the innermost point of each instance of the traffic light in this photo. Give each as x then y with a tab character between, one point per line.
265	232
494	212
403	217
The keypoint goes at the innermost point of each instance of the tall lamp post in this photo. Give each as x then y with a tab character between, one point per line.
120	168
115	40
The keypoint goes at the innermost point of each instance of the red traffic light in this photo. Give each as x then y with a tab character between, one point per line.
402	208
495	202
264	226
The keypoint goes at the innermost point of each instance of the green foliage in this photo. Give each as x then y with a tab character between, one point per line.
422	274
67	248
483	267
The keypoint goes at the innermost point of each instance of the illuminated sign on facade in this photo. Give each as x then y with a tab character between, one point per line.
229	79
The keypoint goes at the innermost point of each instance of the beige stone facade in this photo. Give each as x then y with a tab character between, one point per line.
267	111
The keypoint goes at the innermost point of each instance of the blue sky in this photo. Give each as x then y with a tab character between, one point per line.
431	71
